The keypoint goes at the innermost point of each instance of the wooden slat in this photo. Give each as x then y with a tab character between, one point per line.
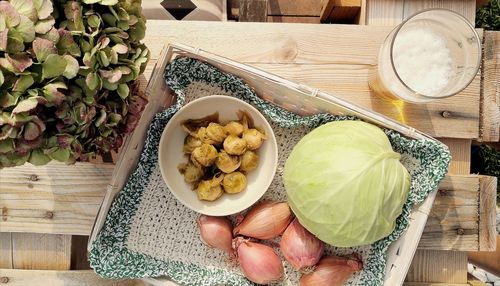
340	11
460	154
350	82
55	198
6	250
490	89
41	251
433	284
16	277
467	8
453	220
253	11
384	12
79	254
293	19
487	213
421	272
294	7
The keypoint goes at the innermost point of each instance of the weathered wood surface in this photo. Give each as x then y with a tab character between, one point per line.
340	11
253	11
293	19
339	63
393	12
487	213
294	7
6	250
453	259
33	250
55	198
490	89
16	277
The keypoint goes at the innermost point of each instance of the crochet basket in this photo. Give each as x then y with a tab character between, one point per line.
142	231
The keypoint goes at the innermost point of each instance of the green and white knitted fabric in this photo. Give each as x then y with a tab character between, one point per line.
148	233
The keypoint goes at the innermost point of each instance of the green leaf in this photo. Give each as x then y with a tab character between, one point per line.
23	83
92	80
52	94
60	154
93	21
4	39
53	66
25	105
26	29
44	26
26	8
31	131
20	61
10	14
38	158
108	2
2	79
120	48
43	8
103	58
15	43
43	48
52	35
72	67
7	99
6	145
123	90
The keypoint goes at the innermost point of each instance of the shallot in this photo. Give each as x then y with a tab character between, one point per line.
332	271
259	263
300	248
265	221
216	232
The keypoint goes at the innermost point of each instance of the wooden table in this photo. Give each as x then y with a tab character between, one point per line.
334	58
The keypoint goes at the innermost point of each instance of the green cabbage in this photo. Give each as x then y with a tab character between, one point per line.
345	184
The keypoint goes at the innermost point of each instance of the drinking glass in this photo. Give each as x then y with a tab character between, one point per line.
433	54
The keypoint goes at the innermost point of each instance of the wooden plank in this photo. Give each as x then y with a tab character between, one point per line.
55	198
350	82
361	19
432	284
16	277
326	9
453	221
294	7
321	62
6	250
41	251
421	272
79	254
467	8
487	213
460	154
253	11
340	11
294	19
490	90
384	12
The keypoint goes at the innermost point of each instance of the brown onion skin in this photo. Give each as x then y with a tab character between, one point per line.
266	220
259	263
216	232
332	271
300	247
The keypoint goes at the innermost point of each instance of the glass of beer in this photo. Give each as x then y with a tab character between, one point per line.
433	54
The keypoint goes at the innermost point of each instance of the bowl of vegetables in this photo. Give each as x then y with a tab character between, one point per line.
218	155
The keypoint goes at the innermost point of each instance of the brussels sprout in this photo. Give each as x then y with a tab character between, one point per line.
234	183
227	163
216	132
254	138
234	145
203	136
204	155
234	128
190	143
249	161
209	190
192	174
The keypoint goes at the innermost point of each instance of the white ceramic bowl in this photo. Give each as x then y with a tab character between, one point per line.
170	155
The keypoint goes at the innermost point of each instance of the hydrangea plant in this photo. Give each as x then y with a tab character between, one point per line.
67	71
